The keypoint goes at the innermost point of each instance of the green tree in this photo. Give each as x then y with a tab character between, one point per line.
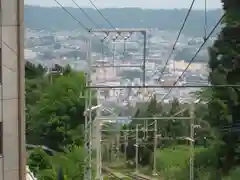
67	70
57	118
33	71
71	161
38	160
35	82
225	70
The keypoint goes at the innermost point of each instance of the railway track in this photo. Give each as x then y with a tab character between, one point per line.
124	176
110	173
113	176
133	176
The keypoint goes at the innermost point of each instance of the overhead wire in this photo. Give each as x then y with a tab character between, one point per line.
86	14
102	14
195	55
79	22
89	30
206	37
176	41
106	19
110	24
173	48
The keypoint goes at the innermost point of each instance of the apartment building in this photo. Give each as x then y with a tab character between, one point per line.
12	139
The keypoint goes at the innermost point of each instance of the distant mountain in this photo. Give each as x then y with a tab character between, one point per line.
55	18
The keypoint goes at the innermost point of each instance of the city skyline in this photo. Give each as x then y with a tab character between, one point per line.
150	4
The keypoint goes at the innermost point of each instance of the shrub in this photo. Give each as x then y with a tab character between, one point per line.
38	160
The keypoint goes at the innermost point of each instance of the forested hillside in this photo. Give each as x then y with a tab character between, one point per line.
57	19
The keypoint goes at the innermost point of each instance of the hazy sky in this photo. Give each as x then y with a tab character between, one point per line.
153	4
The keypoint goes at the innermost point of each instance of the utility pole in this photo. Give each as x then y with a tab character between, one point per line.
117	146
145	129
155	148
90	83
114	51
124	48
107	151
137	144
98	150
88	119
102	49
51	78
192	127
98	140
125	145
112	149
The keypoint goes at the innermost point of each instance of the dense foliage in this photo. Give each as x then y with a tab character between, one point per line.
167	128
70	162
54	118
224	104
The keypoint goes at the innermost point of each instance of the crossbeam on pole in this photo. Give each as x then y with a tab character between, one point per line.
159	86
131	30
142	118
127	130
159	138
119	66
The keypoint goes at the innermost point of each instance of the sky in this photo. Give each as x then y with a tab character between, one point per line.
148	4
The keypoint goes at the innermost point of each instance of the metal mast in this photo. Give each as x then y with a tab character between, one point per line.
136	145
88	119
155	148
88	109
192	141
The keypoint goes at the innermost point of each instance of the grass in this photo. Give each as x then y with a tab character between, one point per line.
172	160
173	164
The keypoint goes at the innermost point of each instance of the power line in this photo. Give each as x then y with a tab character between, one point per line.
105	18
193	58
79	22
86	14
176	41
173	48
15	52
102	14
195	55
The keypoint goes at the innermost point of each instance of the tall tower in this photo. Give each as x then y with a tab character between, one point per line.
12	124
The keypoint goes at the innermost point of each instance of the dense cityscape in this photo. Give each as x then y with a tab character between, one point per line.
66	47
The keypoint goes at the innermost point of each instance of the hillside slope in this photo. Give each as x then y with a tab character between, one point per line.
55	18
